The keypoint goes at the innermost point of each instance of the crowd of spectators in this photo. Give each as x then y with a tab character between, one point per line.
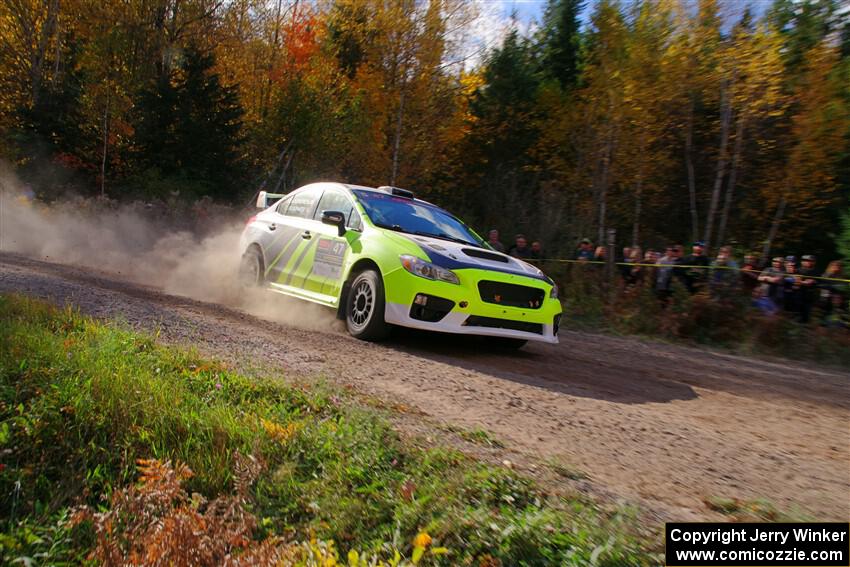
783	285
521	248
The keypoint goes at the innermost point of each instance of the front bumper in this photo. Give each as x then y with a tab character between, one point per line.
470	315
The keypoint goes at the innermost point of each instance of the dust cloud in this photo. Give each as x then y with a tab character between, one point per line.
192	252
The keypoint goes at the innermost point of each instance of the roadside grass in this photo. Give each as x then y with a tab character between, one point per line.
81	402
566	470
758	510
475	435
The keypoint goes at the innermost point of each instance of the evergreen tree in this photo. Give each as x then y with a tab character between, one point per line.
509	90
504	130
54	119
803	24
52	125
560	41
189	127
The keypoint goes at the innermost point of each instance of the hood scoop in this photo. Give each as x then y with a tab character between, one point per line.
485	255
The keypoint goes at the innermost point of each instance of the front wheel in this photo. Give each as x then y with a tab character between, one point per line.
364	309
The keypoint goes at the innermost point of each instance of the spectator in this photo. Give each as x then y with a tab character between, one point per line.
664	273
625	268
599	254
791	286
837	317
808	288
493	240
636	271
585	250
520	249
536	250
696	274
771	279
648	274
724	274
679	272
830	289
651	256
764	304
750	273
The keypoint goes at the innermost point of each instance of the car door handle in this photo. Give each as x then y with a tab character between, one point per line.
306	235
272	226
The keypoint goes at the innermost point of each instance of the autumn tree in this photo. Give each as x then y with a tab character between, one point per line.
754	59
811	146
603	103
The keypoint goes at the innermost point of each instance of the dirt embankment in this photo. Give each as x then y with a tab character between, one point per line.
658	425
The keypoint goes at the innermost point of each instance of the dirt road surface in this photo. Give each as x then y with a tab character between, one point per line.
664	427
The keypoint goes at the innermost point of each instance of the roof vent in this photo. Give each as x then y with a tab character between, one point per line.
397	191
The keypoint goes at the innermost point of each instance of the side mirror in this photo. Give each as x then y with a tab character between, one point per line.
335	218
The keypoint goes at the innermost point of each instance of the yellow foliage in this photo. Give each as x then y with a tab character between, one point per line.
422	539
280	433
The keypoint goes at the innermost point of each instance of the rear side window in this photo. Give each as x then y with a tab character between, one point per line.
303	203
338	201
281	206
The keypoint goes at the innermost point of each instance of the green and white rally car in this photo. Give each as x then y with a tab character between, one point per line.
382	257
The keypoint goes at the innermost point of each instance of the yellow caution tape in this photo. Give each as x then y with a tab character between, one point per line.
564	261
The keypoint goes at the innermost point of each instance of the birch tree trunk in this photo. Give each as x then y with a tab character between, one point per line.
105	145
733	179
689	164
638	206
397	141
774	228
725	119
603	184
282	179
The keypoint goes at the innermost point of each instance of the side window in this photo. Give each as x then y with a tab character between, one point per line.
281	206
303	203
354	220
338	201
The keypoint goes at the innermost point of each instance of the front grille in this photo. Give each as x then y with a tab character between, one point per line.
493	323
511	295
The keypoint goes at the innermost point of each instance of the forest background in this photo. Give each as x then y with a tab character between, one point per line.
667	120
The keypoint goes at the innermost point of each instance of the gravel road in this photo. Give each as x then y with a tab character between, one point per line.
661	426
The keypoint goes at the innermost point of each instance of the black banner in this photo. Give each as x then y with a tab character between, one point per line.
815	544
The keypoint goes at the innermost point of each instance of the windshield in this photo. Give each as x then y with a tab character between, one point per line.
406	215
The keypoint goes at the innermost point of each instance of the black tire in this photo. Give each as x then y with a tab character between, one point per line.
364	307
251	269
506	343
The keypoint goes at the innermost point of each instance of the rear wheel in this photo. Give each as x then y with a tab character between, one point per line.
364	309
251	268
506	343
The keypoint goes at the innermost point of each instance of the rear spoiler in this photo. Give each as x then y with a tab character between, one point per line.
264	199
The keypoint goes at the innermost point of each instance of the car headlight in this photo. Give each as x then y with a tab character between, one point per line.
554	293
427	270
